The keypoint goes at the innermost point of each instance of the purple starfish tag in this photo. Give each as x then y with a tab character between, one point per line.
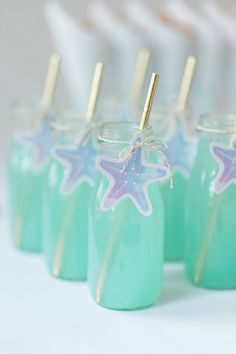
79	162
226	158
130	178
40	142
181	150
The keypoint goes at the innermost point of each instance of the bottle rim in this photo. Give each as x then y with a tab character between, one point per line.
217	123
29	108
121	132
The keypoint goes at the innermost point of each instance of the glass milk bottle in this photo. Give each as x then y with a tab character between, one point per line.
178	131
70	181
211	202
126	219
27	170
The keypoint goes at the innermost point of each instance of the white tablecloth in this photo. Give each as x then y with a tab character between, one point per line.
43	315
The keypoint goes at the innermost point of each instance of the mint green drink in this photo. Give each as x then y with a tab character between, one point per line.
211	201
125	229
69	185
174	201
177	130
65	245
27	170
25	199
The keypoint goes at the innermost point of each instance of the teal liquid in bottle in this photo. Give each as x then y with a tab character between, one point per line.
69	185
210	224
177	130
174	201
125	246
65	244
27	171
26	202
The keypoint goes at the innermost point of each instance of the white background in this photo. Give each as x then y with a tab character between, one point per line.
25	47
42	315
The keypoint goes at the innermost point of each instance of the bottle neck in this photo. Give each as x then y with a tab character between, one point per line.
216	127
28	115
69	128
165	118
115	137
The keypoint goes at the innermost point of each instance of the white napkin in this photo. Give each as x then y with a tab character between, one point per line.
226	28
171	47
79	48
125	43
207	49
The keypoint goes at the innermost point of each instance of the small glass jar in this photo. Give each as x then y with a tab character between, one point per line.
179	133
69	185
27	170
125	246
211	200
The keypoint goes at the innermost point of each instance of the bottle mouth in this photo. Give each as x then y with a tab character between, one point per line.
121	132
28	114
217	123
25	109
72	120
29	109
69	120
166	111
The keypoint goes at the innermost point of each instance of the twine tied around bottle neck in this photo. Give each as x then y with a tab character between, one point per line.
151	143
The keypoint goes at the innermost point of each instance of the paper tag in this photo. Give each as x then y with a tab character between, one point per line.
130	178
225	156
79	164
41	144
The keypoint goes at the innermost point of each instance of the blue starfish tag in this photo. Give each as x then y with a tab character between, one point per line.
79	162
225	156
181	150
130	177
41	144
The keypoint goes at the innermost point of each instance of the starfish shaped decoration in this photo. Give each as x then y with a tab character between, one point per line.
181	150
80	164
41	143
226	158
130	178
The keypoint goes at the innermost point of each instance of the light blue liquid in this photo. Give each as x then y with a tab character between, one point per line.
125	263
66	226
210	226
26	198
175	204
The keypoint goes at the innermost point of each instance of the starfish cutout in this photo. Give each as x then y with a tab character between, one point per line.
226	158
130	178
80	164
41	143
181	150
